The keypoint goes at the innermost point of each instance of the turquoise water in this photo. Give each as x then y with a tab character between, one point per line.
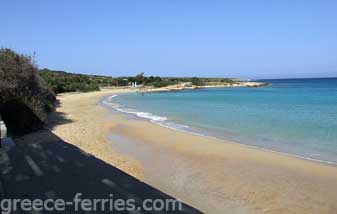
295	116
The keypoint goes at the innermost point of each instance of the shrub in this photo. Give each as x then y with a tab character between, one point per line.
24	95
197	81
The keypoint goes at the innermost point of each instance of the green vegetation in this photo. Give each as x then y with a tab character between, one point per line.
197	81
158	82
60	81
25	98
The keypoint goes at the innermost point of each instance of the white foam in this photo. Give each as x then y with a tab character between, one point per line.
109	99
146	115
112	96
162	121
150	116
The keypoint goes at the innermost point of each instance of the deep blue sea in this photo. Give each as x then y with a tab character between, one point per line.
292	116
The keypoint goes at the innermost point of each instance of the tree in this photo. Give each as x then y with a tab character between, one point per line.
197	81
140	78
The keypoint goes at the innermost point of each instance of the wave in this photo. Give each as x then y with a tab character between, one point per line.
163	121
159	120
145	115
112	96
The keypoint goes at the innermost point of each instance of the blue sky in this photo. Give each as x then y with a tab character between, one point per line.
247	39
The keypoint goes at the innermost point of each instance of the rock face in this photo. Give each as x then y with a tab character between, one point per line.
24	97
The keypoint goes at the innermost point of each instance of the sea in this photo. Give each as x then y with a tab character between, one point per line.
295	117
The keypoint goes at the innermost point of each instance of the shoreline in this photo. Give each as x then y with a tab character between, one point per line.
204	134
191	156
180	87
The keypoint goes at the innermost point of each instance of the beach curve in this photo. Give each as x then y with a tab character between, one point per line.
259	181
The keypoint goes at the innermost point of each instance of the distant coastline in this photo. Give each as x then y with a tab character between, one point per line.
184	86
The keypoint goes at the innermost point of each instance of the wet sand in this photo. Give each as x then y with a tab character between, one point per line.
212	175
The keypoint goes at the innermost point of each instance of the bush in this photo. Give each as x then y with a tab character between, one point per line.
60	82
24	95
197	81
160	84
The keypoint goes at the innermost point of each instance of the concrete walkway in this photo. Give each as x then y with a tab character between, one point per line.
57	169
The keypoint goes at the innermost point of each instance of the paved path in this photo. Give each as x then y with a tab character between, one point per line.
60	170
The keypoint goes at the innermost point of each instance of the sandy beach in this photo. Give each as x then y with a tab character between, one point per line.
212	175
88	125
180	87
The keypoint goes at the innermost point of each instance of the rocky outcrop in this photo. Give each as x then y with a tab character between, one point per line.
24	96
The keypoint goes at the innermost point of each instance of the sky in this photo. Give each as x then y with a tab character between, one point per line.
244	39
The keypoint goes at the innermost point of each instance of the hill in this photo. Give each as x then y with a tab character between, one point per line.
60	81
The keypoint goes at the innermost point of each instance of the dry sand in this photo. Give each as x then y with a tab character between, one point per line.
80	121
212	175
